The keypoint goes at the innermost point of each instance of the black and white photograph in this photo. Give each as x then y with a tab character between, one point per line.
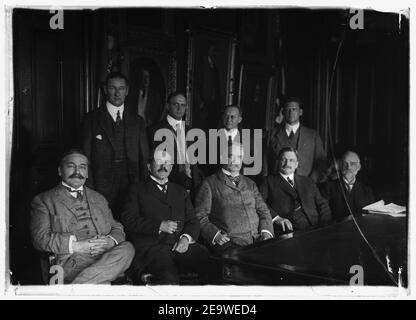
94	197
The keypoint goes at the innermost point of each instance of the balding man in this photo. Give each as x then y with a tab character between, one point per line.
348	189
230	208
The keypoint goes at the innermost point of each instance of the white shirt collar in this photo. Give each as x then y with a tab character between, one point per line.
68	186
112	110
228	173
173	122
349	183
293	128
291	176
232	133
159	181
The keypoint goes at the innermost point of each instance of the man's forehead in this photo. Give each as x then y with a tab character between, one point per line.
232	110
292	104
75	157
161	155
117	81
351	156
178	98
289	154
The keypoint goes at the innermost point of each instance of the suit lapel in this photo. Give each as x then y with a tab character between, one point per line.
222	177
300	187
63	196
104	120
131	132
285	186
154	191
302	138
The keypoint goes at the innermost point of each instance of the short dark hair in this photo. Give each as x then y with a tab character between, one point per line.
287	149
175	94
67	153
293	99
240	111
116	75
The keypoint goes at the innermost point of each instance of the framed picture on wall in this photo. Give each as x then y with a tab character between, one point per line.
210	76
256	95
256	35
151	58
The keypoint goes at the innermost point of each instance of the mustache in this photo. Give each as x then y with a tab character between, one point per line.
76	176
162	169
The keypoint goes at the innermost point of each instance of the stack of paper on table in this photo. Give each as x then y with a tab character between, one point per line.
390	209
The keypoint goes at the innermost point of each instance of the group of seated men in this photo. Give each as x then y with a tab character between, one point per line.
122	208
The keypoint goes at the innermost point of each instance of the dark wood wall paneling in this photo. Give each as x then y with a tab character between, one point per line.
58	74
369	103
49	80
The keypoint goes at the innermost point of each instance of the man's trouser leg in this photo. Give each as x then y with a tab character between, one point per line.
108	266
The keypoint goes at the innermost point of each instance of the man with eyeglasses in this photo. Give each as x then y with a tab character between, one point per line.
347	190
294	197
159	220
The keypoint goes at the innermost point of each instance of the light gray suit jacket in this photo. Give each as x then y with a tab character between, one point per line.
239	211
53	220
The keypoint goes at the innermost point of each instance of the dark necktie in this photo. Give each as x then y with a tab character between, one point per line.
78	192
118	118
291	135
164	186
291	182
235	180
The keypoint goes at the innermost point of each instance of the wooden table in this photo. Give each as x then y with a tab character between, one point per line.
324	256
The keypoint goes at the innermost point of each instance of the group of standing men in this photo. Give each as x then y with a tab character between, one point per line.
169	213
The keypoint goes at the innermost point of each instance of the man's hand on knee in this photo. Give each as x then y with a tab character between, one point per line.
101	244
181	245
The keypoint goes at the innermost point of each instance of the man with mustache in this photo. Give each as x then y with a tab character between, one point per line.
294	197
230	209
291	133
160	221
74	225
347	193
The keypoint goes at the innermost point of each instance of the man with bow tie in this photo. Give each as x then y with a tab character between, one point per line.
74	225
230	208
348	189
294	197
160	222
114	139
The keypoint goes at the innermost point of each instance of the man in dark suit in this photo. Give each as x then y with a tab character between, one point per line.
183	173
305	140
115	141
347	190
230	208
74	225
161	223
293	196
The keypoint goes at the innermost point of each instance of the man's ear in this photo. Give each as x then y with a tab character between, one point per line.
105	89
240	118
127	91
300	112
59	171
148	167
